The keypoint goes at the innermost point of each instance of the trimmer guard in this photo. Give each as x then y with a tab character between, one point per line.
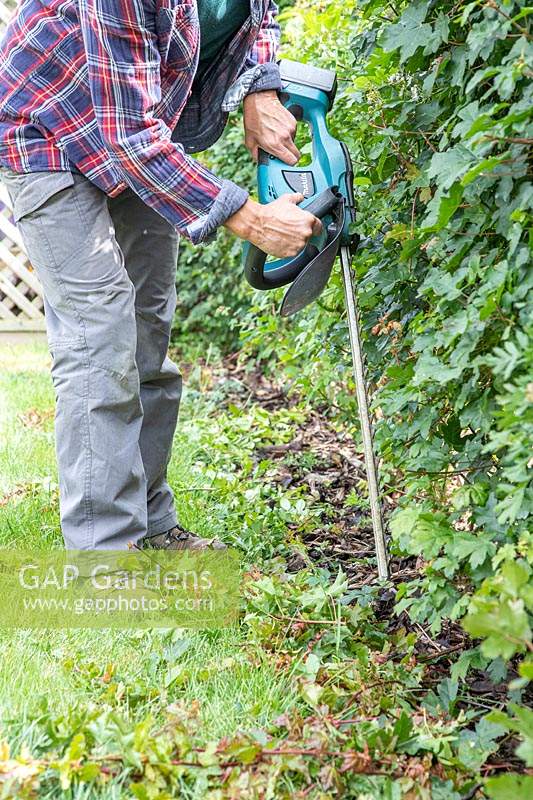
313	279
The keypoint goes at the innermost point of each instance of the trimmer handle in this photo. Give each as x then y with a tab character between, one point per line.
283	271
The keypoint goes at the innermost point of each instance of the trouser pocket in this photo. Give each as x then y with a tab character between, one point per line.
68	233
30	191
30	194
53	211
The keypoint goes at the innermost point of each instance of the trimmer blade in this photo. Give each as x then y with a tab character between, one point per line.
361	388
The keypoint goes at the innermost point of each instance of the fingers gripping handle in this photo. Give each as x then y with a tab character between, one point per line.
283	271
298	113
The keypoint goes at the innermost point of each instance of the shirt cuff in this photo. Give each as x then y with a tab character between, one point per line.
261	78
228	201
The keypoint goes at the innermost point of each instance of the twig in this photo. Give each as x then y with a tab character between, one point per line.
504	765
304	621
423	134
353	721
426	636
413	209
447	472
441	653
358	694
512	139
495	6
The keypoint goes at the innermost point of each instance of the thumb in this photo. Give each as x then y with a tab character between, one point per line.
295	198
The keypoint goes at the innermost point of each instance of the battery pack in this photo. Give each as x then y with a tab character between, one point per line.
325	80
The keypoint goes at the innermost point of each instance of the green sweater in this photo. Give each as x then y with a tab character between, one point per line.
219	22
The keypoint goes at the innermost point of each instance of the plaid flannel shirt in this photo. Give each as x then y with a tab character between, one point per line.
109	87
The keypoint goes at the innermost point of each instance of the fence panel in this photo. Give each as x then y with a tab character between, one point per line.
21	297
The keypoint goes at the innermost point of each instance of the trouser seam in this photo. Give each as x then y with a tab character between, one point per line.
87	499
89	510
122	377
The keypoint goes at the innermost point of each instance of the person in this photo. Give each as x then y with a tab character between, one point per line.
101	104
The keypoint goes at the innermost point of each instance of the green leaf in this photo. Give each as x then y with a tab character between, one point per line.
403	728
450	165
475	746
76	748
442	207
243	750
510	787
139	790
409	33
504	626
311	692
89	772
487	165
525	750
526	670
208	756
430	368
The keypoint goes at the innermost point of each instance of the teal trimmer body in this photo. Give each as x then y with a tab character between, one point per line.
326	184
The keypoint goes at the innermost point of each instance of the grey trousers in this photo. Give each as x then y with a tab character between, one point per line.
107	267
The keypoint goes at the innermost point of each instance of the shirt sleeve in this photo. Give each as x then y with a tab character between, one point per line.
124	77
260	70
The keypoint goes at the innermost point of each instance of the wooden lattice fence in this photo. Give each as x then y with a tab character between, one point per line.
21	301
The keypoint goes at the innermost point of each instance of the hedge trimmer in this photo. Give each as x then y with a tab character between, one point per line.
327	185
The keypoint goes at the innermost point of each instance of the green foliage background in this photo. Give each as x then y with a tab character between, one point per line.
435	102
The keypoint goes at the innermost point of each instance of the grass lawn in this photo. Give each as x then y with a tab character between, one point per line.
54	672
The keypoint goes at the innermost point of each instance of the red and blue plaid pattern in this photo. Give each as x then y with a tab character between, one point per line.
101	85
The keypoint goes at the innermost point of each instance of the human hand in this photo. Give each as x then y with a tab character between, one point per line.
279	228
269	126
